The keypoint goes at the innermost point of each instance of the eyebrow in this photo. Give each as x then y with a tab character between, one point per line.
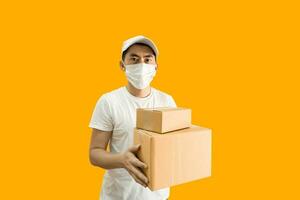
135	55
148	55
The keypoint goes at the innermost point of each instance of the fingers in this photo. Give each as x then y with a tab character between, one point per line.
133	165
137	163
139	174
137	179
134	148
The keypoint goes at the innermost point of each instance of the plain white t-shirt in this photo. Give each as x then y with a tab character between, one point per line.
116	111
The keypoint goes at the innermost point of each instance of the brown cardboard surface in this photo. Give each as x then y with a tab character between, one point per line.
176	157
163	119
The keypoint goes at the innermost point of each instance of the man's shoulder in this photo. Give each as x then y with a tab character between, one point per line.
112	95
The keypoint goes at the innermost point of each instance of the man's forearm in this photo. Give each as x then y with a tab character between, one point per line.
107	160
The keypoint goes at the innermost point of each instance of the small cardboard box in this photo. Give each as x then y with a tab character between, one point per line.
164	119
176	157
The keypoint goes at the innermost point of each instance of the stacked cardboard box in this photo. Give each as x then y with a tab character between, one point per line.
174	150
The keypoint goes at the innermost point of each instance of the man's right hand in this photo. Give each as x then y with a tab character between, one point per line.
132	164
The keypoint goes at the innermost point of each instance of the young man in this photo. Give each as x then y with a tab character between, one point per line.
113	121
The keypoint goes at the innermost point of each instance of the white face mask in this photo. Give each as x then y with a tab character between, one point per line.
140	75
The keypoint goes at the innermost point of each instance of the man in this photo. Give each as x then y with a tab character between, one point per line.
113	121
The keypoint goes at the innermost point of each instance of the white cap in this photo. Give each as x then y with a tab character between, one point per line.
139	39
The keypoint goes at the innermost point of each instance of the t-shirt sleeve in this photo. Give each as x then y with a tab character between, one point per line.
172	103
101	118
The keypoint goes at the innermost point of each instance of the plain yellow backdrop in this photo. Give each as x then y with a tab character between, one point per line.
234	63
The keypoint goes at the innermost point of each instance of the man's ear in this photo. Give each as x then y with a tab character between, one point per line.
156	66
122	66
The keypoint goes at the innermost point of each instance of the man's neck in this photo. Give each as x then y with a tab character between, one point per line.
137	92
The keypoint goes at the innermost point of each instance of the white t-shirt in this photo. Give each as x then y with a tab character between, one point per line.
116	111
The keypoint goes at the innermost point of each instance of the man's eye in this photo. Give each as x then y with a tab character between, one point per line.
133	59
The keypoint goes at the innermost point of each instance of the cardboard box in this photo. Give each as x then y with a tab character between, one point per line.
176	157
164	119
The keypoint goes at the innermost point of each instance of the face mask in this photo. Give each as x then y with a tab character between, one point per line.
140	75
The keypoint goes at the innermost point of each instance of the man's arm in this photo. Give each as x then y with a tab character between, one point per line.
98	154
107	160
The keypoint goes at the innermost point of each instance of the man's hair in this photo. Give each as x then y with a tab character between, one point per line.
125	52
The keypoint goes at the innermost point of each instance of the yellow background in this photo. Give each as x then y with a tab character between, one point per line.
235	63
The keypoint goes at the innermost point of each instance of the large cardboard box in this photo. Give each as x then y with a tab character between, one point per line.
164	119
176	157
